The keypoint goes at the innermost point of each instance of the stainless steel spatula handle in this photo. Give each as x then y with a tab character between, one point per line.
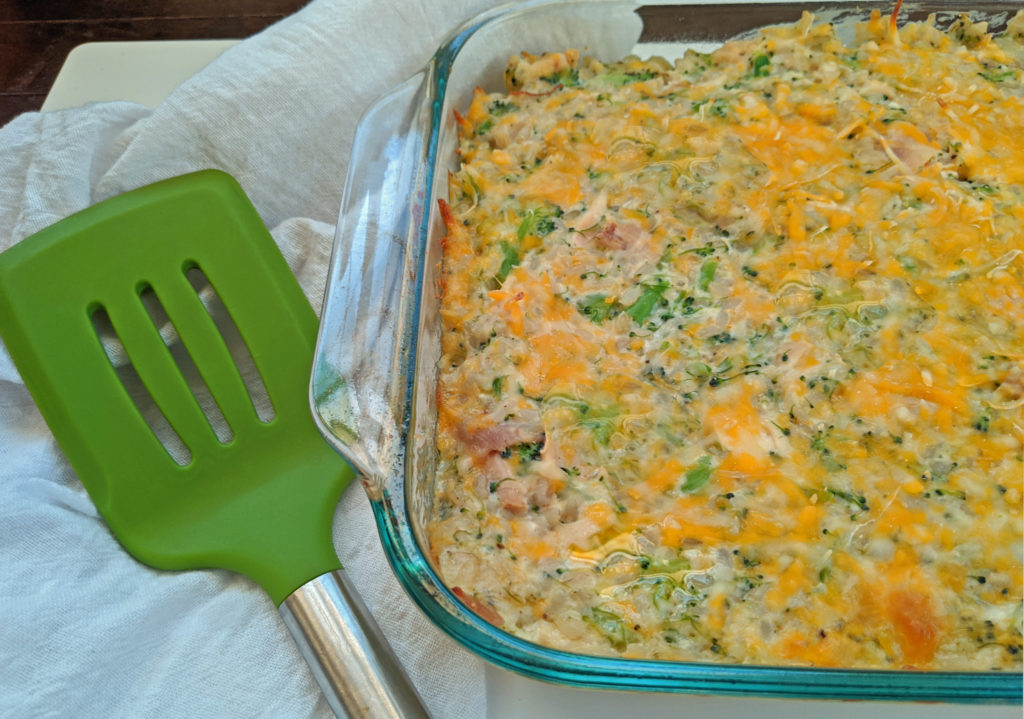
349	656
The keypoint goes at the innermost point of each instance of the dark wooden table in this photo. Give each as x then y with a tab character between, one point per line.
37	35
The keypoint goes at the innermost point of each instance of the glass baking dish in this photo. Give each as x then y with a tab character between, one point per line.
373	384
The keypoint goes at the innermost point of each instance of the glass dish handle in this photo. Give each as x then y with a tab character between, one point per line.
360	376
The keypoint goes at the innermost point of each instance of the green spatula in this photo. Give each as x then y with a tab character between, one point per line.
168	346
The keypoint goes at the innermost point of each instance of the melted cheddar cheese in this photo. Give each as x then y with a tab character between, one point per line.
733	354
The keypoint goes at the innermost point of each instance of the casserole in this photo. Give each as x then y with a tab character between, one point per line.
374	382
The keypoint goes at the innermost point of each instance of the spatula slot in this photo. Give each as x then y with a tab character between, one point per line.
236	344
147	408
186	365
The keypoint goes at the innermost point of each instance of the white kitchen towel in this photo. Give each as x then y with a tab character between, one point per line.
85	630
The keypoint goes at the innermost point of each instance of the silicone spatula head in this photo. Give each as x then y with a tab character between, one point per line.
168	346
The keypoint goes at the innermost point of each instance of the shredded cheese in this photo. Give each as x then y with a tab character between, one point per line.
733	354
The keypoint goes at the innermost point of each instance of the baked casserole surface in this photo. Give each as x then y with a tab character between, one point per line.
733	354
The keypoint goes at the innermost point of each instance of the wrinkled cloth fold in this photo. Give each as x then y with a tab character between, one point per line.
84	628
